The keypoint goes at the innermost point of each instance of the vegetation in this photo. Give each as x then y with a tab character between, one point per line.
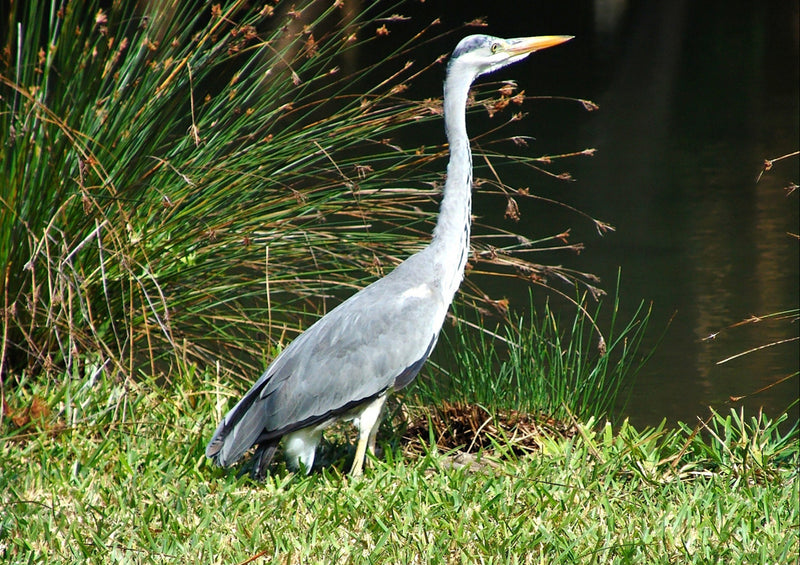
100	471
542	363
172	172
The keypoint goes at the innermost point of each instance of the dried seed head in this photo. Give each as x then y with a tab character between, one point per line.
512	210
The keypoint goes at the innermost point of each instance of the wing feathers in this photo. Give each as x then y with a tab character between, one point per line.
377	339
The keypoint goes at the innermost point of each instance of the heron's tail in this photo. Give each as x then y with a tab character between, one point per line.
239	430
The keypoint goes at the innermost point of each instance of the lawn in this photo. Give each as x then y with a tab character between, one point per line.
100	471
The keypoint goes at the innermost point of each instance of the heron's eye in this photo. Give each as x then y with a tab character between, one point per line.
495	48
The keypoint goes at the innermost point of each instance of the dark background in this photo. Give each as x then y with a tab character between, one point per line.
693	97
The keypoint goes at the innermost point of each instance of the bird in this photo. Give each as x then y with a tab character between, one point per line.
346	364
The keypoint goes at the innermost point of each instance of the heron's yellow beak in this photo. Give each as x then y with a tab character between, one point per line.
526	45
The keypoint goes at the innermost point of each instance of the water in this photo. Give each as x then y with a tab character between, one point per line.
692	103
693	97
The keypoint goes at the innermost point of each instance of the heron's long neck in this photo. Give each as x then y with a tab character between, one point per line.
451	235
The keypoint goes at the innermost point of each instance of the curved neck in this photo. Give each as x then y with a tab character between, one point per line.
451	234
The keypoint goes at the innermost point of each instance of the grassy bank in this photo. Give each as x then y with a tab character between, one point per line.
113	472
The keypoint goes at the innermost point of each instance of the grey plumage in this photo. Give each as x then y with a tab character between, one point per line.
345	365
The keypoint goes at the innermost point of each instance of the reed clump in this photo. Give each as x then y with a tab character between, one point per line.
182	183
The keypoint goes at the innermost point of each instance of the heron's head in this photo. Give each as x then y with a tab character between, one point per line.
481	54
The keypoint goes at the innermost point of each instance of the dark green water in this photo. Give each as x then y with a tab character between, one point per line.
693	97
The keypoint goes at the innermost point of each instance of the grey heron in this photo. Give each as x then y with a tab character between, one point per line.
345	364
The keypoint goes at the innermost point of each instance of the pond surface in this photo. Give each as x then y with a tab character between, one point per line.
693	98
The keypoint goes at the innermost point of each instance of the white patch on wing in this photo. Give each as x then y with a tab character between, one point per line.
419	291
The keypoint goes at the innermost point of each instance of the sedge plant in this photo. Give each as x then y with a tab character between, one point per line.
182	182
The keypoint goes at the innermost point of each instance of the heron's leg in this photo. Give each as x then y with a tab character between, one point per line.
367	428
262	459
374	433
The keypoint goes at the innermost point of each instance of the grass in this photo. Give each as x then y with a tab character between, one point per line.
98	469
542	363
